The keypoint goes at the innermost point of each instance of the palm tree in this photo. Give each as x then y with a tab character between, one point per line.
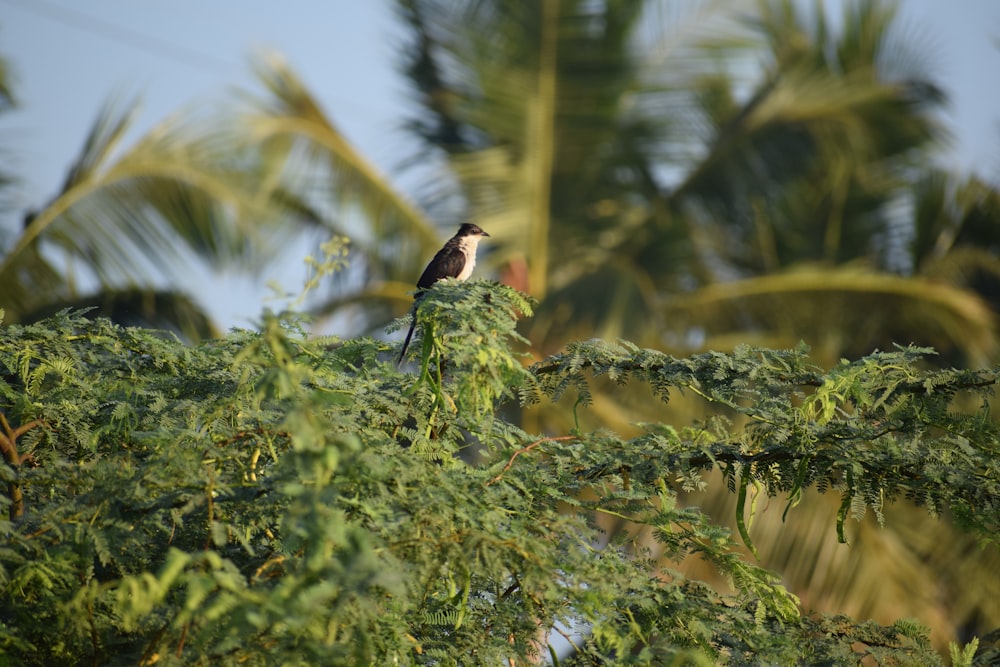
327	182
677	186
642	179
225	190
123	221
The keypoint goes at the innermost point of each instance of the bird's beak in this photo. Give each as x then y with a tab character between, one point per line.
485	234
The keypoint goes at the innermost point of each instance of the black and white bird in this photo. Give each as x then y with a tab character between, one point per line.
456	259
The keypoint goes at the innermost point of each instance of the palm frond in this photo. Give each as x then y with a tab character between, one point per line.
951	212
8	99
822	139
103	139
843	311
131	215
314	166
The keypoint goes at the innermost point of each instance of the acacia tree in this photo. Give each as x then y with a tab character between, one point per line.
274	498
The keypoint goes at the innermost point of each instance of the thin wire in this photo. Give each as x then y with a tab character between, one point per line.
112	31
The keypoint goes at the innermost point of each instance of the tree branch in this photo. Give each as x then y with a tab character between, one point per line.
526	449
8	443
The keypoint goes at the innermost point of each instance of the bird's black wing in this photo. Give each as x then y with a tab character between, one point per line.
447	263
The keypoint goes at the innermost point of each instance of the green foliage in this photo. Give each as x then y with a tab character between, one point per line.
479	319
274	498
872	429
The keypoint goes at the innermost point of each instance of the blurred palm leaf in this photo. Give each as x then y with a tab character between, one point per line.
849	312
8	101
327	184
7	97
129	216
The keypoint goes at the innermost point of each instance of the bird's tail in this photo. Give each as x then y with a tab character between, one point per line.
409	334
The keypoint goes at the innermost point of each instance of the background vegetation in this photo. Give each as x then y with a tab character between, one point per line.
688	180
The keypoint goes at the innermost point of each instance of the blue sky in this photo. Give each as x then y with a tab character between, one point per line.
70	57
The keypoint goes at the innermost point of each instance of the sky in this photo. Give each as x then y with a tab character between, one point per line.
70	57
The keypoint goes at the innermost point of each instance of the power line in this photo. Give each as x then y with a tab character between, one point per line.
121	34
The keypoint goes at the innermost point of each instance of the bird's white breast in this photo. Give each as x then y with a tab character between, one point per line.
468	246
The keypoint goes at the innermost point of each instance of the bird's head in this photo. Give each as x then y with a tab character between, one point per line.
469	229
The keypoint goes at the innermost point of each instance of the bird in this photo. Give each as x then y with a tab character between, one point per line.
456	259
